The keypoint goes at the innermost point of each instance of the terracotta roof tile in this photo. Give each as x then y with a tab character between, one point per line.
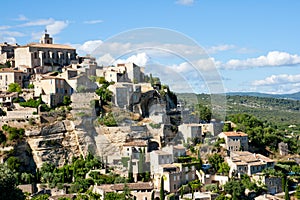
234	134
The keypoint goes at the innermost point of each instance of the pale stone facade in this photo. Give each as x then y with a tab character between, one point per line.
190	131
244	162
235	141
46	54
9	75
7	52
158	158
273	183
125	94
52	89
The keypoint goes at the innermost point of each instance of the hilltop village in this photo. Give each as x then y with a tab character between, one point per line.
71	129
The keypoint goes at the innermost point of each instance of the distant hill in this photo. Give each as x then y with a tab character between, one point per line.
294	96
278	109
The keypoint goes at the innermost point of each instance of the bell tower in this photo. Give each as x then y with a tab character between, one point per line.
46	39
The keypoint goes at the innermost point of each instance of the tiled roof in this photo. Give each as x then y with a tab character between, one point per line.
10	70
249	158
133	186
234	134
8	94
136	143
53	46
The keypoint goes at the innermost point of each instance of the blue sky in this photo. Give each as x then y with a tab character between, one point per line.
254	44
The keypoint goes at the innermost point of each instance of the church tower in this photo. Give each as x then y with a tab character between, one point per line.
46	39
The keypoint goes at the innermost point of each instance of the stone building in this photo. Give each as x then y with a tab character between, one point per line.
273	183
44	54
190	132
235	141
7	53
52	89
125	95
244	162
283	149
9	75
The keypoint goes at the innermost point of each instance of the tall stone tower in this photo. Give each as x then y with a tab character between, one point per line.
46	39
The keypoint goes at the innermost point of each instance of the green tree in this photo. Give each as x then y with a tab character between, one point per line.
203	112
13	163
298	192
235	188
114	196
224	168
14	87
30	86
8	185
41	197
67	100
162	188
130	172
215	160
27	177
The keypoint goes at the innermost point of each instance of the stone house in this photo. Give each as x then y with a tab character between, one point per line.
235	141
139	190
176	151
7	52
213	128
283	148
125	95
158	158
273	183
9	75
6	98
46	54
190	131
244	162
134	72
78	81
171	175
175	175
134	148
52	89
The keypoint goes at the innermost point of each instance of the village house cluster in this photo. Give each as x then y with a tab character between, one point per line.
56	71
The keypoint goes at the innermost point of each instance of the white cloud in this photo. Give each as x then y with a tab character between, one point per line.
272	59
97	21
185	2
223	47
39	22
87	47
56	27
278	80
105	60
10	40
4	27
21	18
140	59
12	33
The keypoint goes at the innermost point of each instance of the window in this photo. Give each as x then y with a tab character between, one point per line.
174	186
1	77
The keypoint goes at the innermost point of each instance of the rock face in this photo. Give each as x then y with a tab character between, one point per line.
57	127
56	143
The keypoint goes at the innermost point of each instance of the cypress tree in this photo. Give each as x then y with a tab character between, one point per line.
162	188
130	172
